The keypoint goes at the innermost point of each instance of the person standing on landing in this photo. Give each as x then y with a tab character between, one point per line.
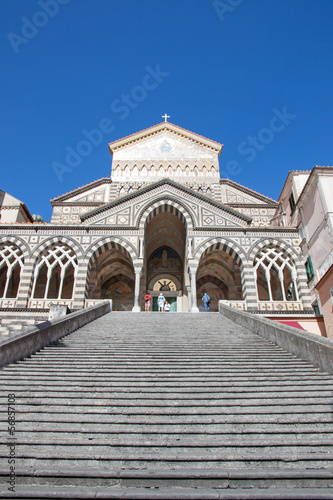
161	302
206	301
147	302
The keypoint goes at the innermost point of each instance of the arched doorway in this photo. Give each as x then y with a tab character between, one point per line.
111	276
219	274
165	241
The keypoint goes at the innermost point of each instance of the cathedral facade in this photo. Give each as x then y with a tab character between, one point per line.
163	221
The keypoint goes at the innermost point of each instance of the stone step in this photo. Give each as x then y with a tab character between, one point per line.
119	390
174	462
23	370
175	418
177	410
172	393
181	428
225	481
201	441
166	401
174	492
224	380
166	381
18	320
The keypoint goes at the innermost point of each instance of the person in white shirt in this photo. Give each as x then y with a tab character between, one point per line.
161	302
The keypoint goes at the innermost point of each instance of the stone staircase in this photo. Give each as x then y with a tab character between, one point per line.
14	324
168	406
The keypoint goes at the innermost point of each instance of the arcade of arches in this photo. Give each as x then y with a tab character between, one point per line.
165	267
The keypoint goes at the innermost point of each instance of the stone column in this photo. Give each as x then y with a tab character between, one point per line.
138	271
141	248
26	282
189	248
193	273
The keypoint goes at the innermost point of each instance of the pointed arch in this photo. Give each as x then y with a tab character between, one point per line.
144	171
110	272
275	274
165	204
55	273
11	266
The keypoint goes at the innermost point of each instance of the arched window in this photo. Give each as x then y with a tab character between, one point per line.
122	192
200	190
55	273
11	265
144	171
178	171
209	192
130	190
196	172
117	171
275	274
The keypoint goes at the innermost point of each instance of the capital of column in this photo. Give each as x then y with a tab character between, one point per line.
138	270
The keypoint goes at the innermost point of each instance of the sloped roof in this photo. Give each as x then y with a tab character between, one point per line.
160	127
248	191
9	201
82	189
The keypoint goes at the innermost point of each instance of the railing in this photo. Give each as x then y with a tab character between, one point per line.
280	306
45	303
236	304
10	303
95	302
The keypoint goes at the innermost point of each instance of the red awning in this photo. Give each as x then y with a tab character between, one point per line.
295	324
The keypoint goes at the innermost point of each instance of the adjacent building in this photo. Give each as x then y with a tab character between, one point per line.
306	202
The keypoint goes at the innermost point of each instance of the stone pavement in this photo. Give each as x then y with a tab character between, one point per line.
176	405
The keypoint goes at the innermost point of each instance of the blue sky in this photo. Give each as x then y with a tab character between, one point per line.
255	75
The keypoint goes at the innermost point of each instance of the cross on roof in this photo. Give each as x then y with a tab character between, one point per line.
166	117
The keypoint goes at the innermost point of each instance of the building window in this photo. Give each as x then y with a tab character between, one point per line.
276	275
11	265
55	273
316	309
309	269
292	202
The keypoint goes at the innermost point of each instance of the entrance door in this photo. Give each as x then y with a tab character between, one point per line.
172	301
